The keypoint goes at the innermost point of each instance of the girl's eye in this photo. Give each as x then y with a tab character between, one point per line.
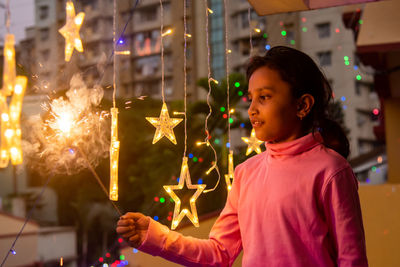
263	97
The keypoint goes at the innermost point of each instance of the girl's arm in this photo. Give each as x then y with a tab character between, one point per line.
343	214
221	249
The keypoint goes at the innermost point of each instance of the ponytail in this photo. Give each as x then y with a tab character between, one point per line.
334	137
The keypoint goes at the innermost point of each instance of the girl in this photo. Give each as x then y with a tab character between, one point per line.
296	204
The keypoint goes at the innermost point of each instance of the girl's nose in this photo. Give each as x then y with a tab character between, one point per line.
252	109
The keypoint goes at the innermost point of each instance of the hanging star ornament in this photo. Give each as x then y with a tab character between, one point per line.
70	31
253	143
229	177
179	214
164	125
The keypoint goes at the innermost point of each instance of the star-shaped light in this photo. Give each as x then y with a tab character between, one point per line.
164	125
253	143
178	213
231	173
70	31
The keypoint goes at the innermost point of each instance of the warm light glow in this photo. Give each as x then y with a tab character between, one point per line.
114	155
253	144
164	125
184	179
65	123
123	53
70	31
257	30
10	116
169	31
188	35
210	11
231	171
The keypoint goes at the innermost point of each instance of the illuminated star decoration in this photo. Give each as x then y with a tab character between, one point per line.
164	125
231	174
10	124
70	31
179	214
253	143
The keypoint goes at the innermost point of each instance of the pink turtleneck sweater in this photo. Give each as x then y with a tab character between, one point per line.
296	204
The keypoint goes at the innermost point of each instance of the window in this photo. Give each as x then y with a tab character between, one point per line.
45	55
148	14
324	30
148	65
44	34
147	42
43	12
325	58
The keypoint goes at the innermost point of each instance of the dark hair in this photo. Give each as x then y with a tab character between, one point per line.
304	77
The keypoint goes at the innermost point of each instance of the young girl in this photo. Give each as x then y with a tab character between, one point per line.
296	204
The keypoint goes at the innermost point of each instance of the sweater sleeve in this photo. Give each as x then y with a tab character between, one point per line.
343	212
220	249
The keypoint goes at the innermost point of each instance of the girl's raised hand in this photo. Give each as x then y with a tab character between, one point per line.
133	228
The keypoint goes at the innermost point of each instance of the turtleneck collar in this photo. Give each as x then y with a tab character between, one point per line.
296	146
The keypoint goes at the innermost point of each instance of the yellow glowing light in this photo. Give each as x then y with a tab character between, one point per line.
169	31
228	51
253	143
257	30
123	53
210	10
188	35
10	116
215	81
9	74
114	155
179	214
232	110
164	125
70	31
231	171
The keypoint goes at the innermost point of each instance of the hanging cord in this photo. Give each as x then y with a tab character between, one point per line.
114	54
215	166
162	50
251	30
8	16
227	71
185	74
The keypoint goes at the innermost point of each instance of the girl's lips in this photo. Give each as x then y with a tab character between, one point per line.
256	124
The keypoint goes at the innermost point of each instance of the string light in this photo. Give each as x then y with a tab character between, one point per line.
123	53
178	213
168	32
114	155
70	31
210	11
253	144
230	176
164	125
10	117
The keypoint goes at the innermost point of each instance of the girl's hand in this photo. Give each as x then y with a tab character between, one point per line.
133	228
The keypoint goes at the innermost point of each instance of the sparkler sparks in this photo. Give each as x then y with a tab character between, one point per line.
70	121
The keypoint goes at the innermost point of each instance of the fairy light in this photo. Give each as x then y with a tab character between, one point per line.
230	155
229	177
210	11
253	144
70	31
184	175
114	155
168	32
178	213
123	53
164	124
214	165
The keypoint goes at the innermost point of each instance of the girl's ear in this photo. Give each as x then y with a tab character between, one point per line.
304	105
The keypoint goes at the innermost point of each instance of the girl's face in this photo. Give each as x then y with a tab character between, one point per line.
273	109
